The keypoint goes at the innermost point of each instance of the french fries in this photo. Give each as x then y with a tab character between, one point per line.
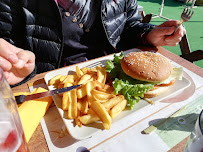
55	80
89	87
113	101
81	92
89	118
101	73
79	73
116	110
69	79
99	95
83	105
85	78
93	101
102	113
66	97
72	109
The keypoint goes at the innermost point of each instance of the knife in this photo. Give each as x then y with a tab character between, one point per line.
21	98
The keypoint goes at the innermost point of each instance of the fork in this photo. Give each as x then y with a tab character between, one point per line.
185	16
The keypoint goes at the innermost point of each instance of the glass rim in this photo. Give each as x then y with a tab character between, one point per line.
201	127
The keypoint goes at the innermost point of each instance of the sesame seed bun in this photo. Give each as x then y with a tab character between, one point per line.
146	66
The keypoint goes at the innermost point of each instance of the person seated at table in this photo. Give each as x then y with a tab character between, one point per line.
41	35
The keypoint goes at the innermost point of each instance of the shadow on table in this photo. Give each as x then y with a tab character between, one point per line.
59	136
180	123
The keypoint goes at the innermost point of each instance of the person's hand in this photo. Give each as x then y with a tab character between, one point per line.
162	35
15	62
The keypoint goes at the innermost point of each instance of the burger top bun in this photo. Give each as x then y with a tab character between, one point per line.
146	66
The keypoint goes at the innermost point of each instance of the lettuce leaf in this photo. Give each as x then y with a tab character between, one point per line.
132	93
114	66
132	89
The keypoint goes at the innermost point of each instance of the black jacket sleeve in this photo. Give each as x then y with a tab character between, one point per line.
134	30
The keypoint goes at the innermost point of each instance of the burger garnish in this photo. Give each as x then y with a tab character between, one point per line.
141	74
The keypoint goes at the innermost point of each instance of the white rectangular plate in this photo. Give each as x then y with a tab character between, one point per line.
89	130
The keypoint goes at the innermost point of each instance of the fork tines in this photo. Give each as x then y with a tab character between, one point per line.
187	13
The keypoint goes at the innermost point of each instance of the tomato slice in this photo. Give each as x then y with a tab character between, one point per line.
163	85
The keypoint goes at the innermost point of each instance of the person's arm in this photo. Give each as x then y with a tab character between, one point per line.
18	64
137	33
163	35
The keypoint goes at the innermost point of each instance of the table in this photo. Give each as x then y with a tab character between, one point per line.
38	141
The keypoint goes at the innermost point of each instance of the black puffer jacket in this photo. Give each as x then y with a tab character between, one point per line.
36	25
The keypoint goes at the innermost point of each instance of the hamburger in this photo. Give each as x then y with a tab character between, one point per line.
141	75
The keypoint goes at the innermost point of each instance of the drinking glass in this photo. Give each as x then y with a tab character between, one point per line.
12	137
195	141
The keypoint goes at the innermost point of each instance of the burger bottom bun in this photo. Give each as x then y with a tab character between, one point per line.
156	92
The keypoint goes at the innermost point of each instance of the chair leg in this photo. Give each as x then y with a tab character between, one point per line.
184	45
186	51
193	56
147	18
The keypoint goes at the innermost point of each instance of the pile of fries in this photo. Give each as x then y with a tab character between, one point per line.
94	100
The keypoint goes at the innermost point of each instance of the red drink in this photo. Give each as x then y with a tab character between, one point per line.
10	141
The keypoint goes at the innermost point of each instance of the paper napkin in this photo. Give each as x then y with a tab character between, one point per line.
31	112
